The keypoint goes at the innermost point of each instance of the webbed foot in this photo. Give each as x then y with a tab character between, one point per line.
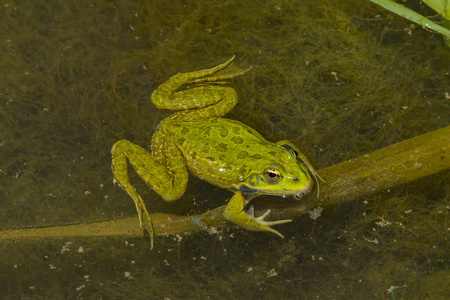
265	225
234	212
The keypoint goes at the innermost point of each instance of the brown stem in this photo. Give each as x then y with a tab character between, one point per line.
371	173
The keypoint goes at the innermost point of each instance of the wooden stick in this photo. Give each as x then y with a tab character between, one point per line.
371	173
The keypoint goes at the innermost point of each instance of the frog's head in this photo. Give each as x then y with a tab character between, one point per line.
286	176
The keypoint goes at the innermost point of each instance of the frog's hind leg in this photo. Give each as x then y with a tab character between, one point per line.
168	181
203	90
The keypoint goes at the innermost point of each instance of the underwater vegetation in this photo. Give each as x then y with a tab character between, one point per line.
442	8
340	81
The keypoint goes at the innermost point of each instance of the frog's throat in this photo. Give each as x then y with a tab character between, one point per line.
245	190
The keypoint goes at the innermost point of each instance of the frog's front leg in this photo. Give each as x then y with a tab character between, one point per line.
234	212
167	178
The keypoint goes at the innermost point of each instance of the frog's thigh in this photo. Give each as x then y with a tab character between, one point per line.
218	102
166	97
169	182
197	97
176	169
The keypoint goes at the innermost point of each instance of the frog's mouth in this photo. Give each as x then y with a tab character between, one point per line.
296	194
307	191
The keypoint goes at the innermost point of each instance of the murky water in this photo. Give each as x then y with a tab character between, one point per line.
338	79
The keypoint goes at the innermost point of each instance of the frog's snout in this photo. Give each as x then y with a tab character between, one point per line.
304	192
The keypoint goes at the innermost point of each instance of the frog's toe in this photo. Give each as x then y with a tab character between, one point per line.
265	225
251	211
264	215
275	231
261	218
145	223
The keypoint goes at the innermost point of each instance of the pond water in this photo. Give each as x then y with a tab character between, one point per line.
338	79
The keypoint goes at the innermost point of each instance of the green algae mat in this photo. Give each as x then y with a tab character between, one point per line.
355	87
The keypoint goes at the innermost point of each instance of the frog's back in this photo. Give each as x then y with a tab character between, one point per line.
220	150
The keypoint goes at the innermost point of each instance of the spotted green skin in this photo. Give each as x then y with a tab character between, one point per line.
224	152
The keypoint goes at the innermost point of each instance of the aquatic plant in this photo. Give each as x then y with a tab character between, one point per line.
440	6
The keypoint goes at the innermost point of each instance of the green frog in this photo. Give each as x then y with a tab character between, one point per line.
224	152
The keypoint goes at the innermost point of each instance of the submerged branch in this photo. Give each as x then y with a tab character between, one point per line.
371	173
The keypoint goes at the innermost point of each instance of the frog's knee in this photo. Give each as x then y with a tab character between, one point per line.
120	145
172	196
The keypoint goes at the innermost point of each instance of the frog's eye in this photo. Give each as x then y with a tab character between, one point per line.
293	153
272	175
291	150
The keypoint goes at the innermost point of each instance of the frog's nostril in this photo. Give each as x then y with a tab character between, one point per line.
295	179
298	196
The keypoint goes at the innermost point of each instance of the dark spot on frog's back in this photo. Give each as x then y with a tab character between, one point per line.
243	170
237	140
242	155
185	130
205	148
222	147
205	130
256	156
223	132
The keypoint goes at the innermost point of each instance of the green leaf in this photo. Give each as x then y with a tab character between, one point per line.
413	16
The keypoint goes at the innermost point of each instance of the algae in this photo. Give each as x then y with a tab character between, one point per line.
338	79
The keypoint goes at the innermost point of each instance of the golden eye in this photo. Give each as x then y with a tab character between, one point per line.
272	175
